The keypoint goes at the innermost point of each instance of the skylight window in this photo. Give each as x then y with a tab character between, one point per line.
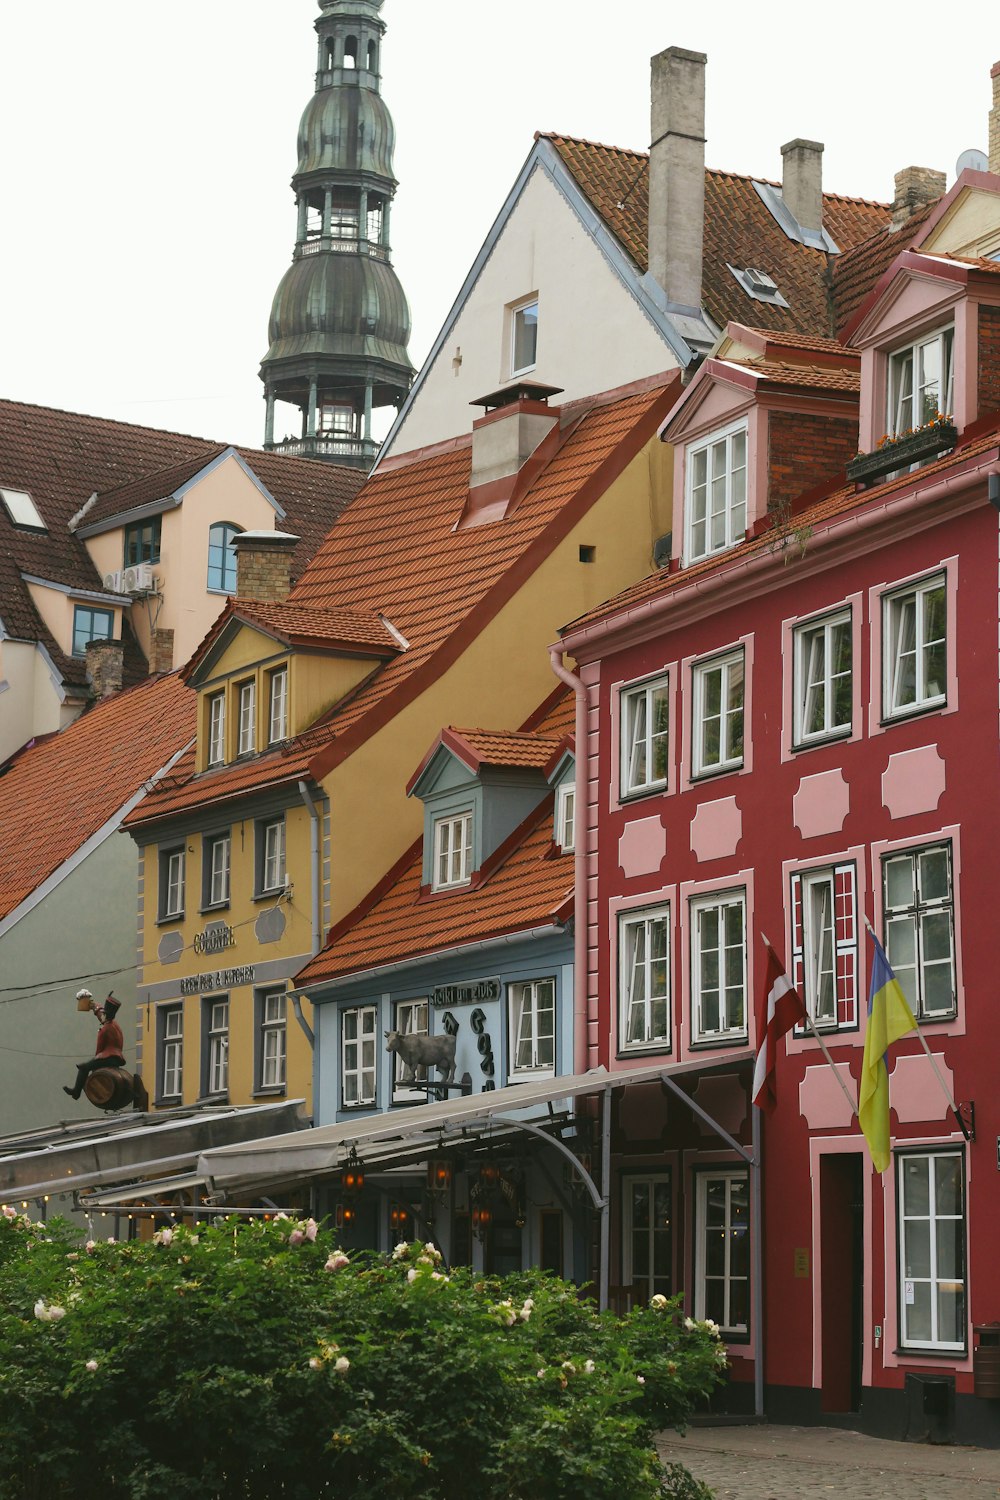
759	284
22	509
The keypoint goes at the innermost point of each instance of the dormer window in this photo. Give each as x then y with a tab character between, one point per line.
566	817
216	729
278	706
248	717
452	851
921	382
716	508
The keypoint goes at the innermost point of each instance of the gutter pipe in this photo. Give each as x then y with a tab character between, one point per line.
580	1040
314	878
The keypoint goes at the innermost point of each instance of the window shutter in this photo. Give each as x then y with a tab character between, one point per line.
795	968
846	933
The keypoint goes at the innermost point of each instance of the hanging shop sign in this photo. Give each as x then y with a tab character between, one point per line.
474	992
215	939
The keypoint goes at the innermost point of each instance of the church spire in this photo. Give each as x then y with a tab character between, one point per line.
339	322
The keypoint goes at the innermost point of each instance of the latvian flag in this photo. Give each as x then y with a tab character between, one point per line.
778	1010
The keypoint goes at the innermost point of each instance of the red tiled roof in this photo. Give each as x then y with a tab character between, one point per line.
313	625
395	551
147	489
739	231
498	747
812	377
857	271
57	794
772	340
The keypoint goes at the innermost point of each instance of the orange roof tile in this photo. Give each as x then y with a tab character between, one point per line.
812	377
857	271
315	625
498	747
792	341
57	794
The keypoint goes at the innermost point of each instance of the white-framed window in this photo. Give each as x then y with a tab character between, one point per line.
171	884
716	476
823	677
718	689
644	979
919	916
452	851
248	717
914	647
524	337
358	1057
410	1019
217	1017
532	1028
647	1237
277	712
921	382
930	1200
645	732
171	1019
824	951
217	852
722	1249
216	729
22	510
272	1038
719	966
566	816
272	855
336	419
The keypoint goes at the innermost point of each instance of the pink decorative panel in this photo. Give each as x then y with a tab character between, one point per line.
821	803
716	829
914	1092
821	1099
642	847
913	782
725	1099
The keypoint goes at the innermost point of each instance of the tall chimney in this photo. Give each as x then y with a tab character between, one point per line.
161	650
264	565
677	173
995	120
802	182
915	187
105	667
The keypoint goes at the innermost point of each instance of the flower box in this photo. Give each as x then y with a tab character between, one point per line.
899	453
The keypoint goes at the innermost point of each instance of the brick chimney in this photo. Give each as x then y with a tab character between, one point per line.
677	173
995	120
802	182
915	186
264	565
105	667
161	651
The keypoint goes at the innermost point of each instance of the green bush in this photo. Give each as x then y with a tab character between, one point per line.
255	1360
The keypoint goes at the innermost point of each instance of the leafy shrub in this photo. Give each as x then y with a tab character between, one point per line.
256	1360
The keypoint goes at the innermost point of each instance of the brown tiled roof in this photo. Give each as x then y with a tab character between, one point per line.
395	551
311	625
812	377
773	340
147	489
58	793
528	885
856	272
498	747
739	231
839	500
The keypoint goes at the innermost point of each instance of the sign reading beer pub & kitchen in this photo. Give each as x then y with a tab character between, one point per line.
475	992
219	979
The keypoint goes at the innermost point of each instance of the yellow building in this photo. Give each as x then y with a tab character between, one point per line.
432	601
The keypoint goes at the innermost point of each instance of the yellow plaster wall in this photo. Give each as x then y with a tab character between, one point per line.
971	227
56	609
318	682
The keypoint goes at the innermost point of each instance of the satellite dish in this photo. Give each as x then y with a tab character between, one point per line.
972	161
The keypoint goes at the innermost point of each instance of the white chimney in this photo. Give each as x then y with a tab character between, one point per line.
677	173
802	182
517	421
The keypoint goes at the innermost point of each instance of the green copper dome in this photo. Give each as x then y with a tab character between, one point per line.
340	306
346	130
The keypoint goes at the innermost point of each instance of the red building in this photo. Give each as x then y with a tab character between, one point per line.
791	729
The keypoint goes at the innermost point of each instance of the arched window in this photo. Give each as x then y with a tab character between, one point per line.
331	52
222	557
372	58
351	52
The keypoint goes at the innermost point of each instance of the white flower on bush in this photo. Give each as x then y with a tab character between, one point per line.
315	1363
589	1367
527	1309
690	1324
641	1379
412	1274
712	1327
163	1237
401	1251
569	1367
48	1312
342	1365
8	1212
658	1301
540	1374
439	1276
296	1237
337	1261
90	1246
91	1365
506	1311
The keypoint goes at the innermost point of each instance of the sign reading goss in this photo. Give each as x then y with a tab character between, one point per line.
476	992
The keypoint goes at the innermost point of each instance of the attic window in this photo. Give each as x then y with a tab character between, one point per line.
759	285
22	510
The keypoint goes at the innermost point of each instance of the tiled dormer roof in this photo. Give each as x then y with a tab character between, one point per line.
807	377
147	489
308	626
59	793
856	272
500	748
739	231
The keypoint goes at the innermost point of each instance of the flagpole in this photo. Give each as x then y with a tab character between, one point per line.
823	1047
931	1059
757	1268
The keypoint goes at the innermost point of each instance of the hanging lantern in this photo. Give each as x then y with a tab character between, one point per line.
439	1174
352	1174
346	1214
489	1174
482	1218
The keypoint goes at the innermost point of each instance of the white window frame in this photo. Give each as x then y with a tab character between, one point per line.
173	885
217	1021
353	1050
819	944
698	511
932	1218
219	869
892	604
566	816
172	1052
405	1013
729	759
517	312
720	902
526	1010
273	1039
630	966
896	420
807	679
272	856
452	851
22	510
640	740
729	1175
653	1283
277	709
247	717
217	729
914	915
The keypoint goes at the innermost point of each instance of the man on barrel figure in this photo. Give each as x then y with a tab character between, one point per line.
110	1042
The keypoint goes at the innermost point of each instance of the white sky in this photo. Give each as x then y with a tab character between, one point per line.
146	150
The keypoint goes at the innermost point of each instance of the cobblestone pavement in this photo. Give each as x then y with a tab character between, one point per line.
788	1463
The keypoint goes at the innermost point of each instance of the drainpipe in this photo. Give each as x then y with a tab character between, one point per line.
580	1046
314	879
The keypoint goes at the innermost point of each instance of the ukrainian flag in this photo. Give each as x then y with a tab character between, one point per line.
889	1018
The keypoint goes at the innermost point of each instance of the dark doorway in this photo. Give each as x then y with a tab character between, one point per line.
842	1271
